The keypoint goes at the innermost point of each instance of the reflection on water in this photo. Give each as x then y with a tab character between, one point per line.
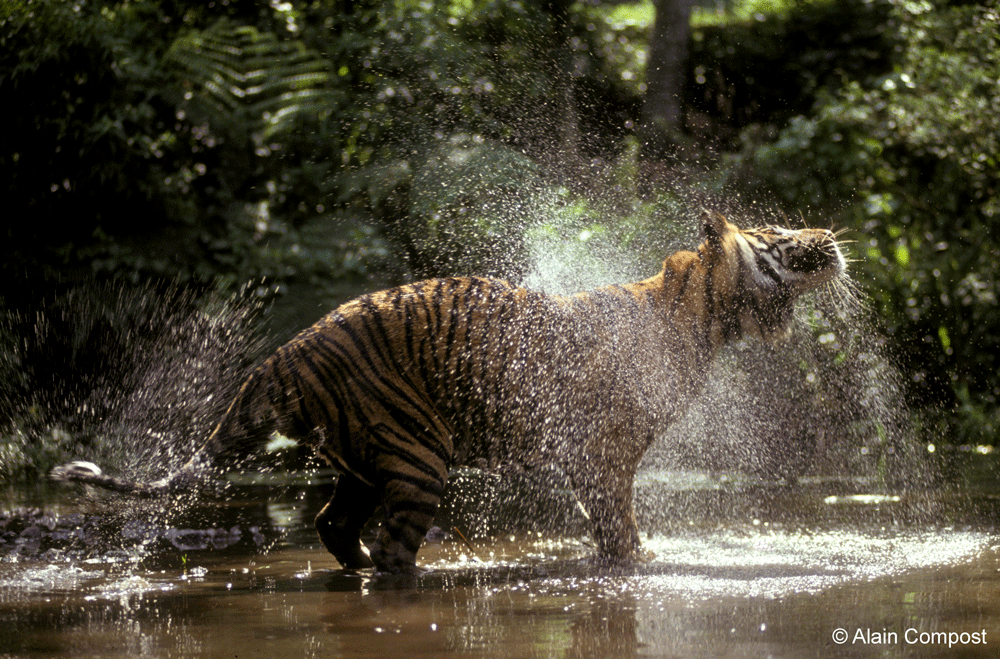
744	589
774	564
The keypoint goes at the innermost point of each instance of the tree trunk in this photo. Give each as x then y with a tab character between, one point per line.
661	113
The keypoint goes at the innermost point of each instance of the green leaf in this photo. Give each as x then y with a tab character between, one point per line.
241	80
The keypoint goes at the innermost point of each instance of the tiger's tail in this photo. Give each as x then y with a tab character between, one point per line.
248	420
89	473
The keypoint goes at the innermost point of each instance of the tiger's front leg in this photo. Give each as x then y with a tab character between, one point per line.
608	502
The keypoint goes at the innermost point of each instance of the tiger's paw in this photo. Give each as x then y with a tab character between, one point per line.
387	563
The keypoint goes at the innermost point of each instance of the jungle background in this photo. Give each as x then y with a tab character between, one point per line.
316	149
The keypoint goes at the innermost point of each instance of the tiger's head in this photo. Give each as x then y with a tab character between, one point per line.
761	272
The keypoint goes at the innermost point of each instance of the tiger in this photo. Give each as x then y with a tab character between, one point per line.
396	388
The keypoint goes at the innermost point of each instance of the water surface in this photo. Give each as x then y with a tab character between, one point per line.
733	581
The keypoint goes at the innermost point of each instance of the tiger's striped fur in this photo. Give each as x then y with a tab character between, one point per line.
397	387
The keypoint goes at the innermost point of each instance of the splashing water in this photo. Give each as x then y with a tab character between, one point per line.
124	375
823	404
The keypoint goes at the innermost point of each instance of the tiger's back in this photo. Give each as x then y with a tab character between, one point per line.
511	376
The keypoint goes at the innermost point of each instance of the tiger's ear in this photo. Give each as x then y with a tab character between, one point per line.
713	226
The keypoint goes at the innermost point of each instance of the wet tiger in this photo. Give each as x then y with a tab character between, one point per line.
398	387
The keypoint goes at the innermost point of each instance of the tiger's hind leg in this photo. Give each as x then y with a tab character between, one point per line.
411	492
341	521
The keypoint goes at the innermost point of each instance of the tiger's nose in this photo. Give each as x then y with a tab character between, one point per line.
825	236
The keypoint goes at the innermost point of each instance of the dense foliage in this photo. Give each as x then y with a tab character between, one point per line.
318	144
909	158
222	134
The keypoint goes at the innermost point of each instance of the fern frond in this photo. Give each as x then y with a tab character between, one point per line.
236	76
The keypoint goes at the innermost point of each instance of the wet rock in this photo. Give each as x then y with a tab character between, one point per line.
30	533
195	539
258	536
33	532
13	523
436	534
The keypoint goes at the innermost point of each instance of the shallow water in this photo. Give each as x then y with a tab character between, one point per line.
759	583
